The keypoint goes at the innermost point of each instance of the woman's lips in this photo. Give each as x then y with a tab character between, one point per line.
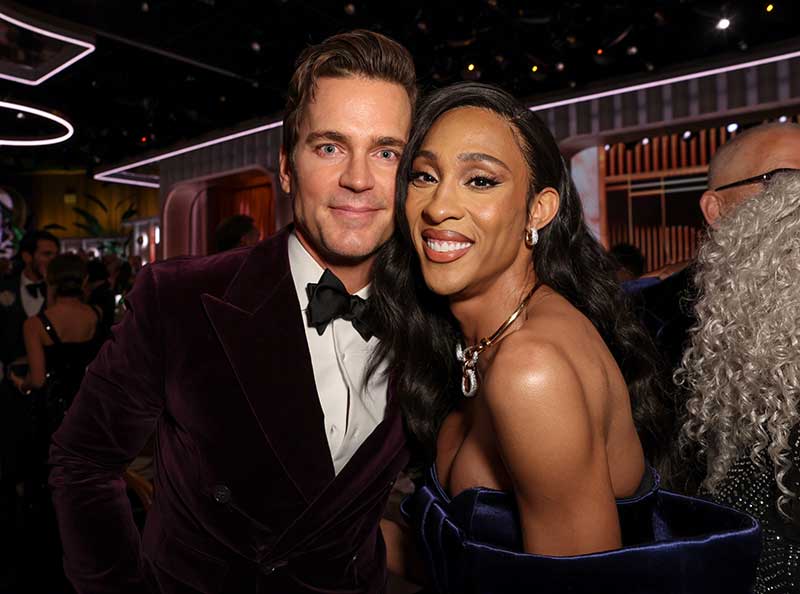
444	246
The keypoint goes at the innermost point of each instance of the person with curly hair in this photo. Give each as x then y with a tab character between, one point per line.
743	370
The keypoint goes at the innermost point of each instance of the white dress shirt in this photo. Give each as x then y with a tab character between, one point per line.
31	305
339	358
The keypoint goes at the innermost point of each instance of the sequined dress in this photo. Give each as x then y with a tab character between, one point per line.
750	489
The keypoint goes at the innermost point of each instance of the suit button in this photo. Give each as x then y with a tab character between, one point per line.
222	494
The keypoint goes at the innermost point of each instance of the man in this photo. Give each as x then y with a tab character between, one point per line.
235	231
274	460
23	295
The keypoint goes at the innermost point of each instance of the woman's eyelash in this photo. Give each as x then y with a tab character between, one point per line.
421	176
484	181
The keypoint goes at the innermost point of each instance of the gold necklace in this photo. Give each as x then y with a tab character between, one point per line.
469	356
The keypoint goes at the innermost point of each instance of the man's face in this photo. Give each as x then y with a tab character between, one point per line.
342	178
776	148
36	264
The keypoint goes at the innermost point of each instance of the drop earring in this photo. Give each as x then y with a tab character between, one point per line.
531	236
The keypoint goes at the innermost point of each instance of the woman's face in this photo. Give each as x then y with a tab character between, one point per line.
466	204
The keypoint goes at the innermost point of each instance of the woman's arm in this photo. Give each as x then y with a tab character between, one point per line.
554	454
35	377
401	554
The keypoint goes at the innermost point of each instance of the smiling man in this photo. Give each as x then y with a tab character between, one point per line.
274	453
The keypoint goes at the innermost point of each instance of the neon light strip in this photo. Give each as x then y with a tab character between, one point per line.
48	116
666	81
104	175
89	48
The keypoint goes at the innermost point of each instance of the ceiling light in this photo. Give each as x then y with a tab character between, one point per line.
607	147
350	8
69	130
255	46
534	69
632	50
645	141
600	51
687	134
770	7
783	119
20	115
88	48
471	67
560	66
723	24
732	127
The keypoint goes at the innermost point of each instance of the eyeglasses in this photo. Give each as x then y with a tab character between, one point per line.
756	179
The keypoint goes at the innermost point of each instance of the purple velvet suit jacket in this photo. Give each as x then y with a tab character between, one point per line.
212	356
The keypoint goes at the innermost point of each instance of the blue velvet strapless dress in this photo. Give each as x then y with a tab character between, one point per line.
672	544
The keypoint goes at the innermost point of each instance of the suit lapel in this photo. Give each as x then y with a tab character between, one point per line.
260	326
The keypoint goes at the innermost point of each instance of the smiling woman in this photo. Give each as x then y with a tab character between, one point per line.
495	285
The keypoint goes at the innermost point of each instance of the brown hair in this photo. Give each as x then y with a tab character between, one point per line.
355	53
66	273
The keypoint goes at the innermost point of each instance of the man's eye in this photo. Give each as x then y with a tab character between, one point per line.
388	155
328	149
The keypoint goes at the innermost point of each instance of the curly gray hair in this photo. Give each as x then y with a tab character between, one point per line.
743	364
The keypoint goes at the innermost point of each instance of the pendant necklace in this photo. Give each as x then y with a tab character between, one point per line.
469	356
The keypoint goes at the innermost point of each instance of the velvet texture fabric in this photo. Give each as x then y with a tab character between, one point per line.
672	544
212	357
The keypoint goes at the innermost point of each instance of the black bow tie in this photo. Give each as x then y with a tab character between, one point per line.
328	299
36	289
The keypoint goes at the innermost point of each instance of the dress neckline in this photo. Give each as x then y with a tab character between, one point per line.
647	486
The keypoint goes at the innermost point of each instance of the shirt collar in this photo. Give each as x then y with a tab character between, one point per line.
305	269
25	281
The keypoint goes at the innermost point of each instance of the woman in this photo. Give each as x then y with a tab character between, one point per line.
743	369
530	437
60	342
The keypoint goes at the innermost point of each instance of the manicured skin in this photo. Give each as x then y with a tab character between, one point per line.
552	420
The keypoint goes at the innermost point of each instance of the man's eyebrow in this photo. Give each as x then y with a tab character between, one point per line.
389	141
482	157
325	135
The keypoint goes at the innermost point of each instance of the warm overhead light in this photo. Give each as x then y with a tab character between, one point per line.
607	147
645	141
534	69
143	139
783	119
731	128
600	51
770	7
471	67
69	130
687	134
723	24
88	49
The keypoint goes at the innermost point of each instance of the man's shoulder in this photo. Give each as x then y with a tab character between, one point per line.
212	274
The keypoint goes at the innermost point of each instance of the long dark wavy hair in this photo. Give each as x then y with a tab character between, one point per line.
419	333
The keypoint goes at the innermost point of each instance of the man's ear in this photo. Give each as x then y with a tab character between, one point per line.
285	172
544	208
711	205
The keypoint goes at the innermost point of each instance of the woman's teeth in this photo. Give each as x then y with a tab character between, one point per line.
446	246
